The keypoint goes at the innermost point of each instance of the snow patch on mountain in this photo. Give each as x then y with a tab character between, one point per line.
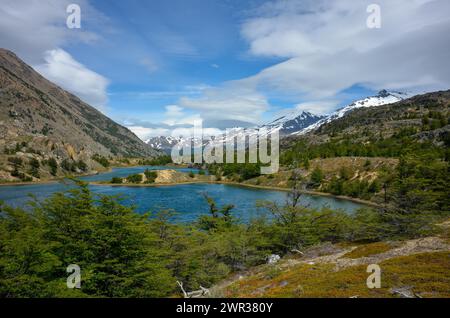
382	98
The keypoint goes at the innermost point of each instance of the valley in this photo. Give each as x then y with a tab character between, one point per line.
367	183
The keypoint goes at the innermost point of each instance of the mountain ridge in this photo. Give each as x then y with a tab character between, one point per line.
40	119
284	124
383	97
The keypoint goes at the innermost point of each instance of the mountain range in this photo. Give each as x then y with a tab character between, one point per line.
293	123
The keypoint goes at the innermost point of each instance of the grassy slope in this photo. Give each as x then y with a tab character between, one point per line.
419	266
425	274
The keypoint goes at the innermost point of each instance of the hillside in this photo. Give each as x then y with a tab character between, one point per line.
358	155
293	123
410	269
40	120
382	98
426	116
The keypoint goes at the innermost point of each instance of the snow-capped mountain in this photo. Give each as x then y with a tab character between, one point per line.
163	143
382	98
287	124
293	122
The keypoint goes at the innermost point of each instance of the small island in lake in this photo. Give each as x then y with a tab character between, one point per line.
161	177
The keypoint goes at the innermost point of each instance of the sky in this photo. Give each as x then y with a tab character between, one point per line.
157	66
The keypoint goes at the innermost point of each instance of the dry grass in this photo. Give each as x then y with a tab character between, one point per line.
426	274
369	250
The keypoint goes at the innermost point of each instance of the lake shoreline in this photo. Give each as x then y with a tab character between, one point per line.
230	183
93	173
243	185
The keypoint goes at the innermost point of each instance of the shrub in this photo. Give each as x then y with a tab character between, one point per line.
53	164
150	176
101	160
134	178
15	161
317	176
116	180
34	170
82	165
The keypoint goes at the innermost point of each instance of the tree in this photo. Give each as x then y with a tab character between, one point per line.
317	176
82	165
34	170
296	192
118	253
117	180
68	165
150	176
306	163
101	160
218	218
53	164
135	178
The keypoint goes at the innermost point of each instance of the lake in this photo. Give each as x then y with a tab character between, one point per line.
186	199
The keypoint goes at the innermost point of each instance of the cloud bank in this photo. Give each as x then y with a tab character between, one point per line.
61	68
328	48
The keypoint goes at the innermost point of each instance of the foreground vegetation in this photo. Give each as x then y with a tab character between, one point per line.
124	254
418	275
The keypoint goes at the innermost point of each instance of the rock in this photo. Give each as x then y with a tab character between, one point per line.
403	292
284	283
273	259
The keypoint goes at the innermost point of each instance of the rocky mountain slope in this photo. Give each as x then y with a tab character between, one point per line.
294	122
42	121
164	143
382	98
425	116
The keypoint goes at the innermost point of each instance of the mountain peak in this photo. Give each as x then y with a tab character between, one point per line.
383	93
384	97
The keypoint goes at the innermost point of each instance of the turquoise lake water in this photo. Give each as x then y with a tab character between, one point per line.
186	199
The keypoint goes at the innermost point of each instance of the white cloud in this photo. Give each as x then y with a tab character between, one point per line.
61	68
176	123
189	132
31	27
36	30
174	111
229	102
145	133
329	47
318	107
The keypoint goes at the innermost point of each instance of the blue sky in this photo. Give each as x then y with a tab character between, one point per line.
155	66
162	51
